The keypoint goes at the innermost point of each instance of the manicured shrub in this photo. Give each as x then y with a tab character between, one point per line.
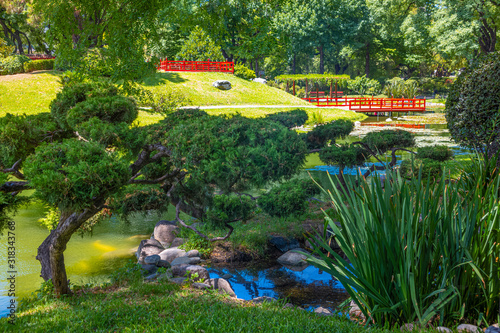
244	72
439	153
230	208
13	64
387	139
289	119
430	168
71	95
473	104
288	198
344	156
321	135
111	109
38	65
363	85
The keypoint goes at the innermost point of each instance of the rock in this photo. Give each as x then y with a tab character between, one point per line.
443	329
163	263
284	244
222	84
193	253
152	260
493	329
222	285
185	260
151	277
322	311
179	280
147	248
177	242
226	276
259	80
149	269
296	268
172	253
165	232
466	328
190	270
355	312
292	258
288	306
198	285
263	299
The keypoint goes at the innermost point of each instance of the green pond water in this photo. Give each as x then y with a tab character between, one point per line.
89	259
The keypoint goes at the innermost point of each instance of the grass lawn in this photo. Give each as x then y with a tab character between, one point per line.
197	88
129	305
28	93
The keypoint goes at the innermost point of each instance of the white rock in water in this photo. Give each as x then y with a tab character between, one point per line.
388	119
222	84
357	123
259	80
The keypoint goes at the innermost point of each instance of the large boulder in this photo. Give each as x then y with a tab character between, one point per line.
172	253
165	232
293	258
221	285
222	84
259	80
467	328
186	260
284	244
148	247
191	270
493	329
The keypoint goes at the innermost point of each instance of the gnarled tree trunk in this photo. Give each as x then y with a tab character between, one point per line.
50	253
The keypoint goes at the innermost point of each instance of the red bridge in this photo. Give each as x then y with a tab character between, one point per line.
363	104
196	66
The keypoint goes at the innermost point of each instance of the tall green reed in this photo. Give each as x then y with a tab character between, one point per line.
416	251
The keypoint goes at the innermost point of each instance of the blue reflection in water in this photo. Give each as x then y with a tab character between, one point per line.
308	287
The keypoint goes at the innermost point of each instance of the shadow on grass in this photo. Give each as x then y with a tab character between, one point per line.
162	78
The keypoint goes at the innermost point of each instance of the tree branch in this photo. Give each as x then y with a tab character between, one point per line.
10	187
15	170
181	222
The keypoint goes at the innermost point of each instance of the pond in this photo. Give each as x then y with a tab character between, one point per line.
90	259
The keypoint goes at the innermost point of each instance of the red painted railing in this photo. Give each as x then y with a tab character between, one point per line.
385	124
40	56
196	66
363	104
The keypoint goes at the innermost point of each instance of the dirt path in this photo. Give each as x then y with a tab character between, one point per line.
15	77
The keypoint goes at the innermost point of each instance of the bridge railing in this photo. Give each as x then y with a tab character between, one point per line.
196	66
369	104
39	56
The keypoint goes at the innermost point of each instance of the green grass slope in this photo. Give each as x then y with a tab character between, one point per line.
198	89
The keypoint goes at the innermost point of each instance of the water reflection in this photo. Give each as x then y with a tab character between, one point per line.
308	287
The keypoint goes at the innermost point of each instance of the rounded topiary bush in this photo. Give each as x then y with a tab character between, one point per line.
71	95
439	153
289	119
472	107
289	198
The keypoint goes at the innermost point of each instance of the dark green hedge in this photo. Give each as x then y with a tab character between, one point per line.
38	65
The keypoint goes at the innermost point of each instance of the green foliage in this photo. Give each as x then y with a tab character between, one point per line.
435	85
112	109
363	85
230	208
344	155
141	201
398	88
439	250
199	47
429	168
5	49
8	206
96	64
289	119
19	136
439	153
76	93
51	218
13	64
473	104
73	174
323	134
314	78
244	72
38	65
387	139
289	198
194	242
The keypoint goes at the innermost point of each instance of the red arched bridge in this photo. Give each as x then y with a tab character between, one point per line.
370	104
